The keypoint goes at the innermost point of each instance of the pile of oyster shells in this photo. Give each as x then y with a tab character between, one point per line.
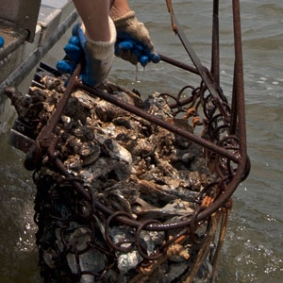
129	165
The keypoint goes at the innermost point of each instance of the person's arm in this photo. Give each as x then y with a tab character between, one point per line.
133	41
94	14
119	9
95	39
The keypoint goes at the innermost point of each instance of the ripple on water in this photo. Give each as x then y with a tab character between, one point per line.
250	255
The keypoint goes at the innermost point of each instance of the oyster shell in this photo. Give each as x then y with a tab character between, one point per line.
127	164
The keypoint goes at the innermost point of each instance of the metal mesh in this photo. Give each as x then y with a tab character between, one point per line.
132	190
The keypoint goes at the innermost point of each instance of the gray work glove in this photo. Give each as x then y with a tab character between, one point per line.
98	55
133	41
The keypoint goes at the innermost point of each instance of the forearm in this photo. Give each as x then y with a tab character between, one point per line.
119	9
94	14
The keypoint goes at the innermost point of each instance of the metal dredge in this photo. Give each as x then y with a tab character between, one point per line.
128	190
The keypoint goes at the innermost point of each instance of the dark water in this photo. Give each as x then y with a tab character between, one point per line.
253	251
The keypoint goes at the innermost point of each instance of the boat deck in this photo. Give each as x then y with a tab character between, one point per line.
18	56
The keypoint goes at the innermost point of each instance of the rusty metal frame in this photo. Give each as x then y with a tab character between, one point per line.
232	147
223	137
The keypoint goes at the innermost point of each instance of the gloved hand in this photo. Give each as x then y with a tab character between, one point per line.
133	42
1	41
98	55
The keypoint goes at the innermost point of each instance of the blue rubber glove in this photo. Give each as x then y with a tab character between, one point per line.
133	41
1	41
74	53
97	56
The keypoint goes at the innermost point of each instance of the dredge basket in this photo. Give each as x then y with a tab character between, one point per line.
132	190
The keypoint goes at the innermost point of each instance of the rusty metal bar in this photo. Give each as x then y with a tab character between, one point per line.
46	135
239	79
178	64
215	44
21	141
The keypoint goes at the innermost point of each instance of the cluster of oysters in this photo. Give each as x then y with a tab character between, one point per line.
126	163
